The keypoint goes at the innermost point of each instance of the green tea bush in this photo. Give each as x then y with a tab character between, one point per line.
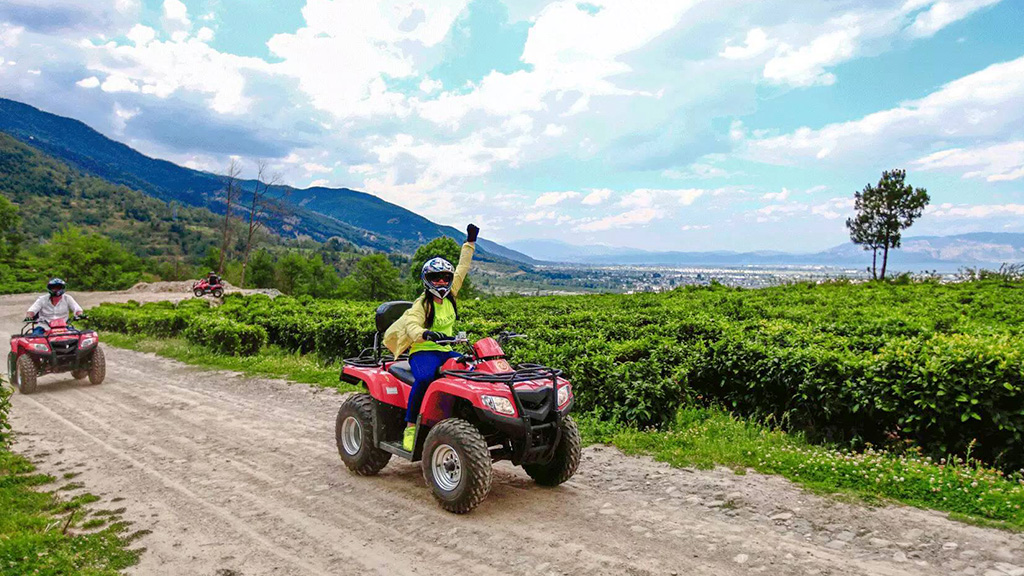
939	365
226	336
5	413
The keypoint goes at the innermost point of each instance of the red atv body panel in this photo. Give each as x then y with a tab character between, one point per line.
440	396
77	347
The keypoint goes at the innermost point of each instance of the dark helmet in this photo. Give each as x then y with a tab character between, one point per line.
437	275
56	287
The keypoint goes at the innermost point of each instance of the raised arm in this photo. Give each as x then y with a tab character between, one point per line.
465	258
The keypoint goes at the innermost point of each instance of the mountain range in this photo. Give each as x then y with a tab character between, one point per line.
988	249
319	212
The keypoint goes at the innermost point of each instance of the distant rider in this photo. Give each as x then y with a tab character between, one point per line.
212	279
430	319
54	306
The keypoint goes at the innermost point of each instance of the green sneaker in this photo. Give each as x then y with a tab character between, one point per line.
408	441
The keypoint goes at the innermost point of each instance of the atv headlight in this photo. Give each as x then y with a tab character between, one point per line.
86	342
499	404
41	347
563	395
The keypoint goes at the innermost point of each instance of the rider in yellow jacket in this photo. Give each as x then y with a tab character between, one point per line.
430	319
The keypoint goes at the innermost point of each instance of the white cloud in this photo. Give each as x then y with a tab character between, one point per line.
90	82
596	196
777	196
570	51
539	215
627	219
430	85
118	83
697	170
831	209
161	69
689	227
552	198
943	13
755	44
554	130
372	39
649	197
995	163
976	211
314	168
985	104
205	34
805	66
10	35
176	14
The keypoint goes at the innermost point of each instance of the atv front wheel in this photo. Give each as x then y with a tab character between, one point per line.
98	367
564	462
26	375
198	292
79	374
457	465
218	292
353	431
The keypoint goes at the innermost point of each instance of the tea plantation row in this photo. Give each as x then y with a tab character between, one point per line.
940	365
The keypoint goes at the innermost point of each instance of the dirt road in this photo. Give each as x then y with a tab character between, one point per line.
240	476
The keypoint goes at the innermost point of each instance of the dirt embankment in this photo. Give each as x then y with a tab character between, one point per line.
240	476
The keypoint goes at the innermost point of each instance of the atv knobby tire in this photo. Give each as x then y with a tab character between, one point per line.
79	374
218	292
474	460
367	459
26	375
98	367
564	462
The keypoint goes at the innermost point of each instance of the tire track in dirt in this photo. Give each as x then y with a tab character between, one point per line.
242	474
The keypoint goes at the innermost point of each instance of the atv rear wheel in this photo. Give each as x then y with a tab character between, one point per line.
98	367
79	374
198	292
353	431
26	376
564	462
457	465
218	292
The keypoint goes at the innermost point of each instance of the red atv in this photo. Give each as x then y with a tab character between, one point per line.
203	287
478	411
60	348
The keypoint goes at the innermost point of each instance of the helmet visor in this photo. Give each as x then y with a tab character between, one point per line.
439	278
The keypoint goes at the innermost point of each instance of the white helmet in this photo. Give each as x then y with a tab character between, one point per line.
437	275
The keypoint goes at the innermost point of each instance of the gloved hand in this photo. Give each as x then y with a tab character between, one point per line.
431	336
29	319
471	232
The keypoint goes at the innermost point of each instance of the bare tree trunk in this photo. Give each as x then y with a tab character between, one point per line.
257	210
229	194
874	263
885	255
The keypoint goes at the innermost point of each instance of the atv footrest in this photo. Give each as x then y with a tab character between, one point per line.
396	449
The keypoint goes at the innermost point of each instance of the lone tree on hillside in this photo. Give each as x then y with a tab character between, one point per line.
883	213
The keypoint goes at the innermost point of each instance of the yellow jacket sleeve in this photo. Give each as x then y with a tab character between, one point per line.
462	269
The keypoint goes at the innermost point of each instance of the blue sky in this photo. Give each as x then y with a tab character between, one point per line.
681	125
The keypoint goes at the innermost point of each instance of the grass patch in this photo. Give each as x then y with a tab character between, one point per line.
272	361
703	438
32	535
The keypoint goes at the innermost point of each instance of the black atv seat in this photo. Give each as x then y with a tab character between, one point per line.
389	312
402	371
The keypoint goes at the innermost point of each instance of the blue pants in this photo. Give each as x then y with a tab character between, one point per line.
424	367
38	331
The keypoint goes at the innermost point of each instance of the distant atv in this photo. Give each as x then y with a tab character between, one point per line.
203	287
480	410
61	348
